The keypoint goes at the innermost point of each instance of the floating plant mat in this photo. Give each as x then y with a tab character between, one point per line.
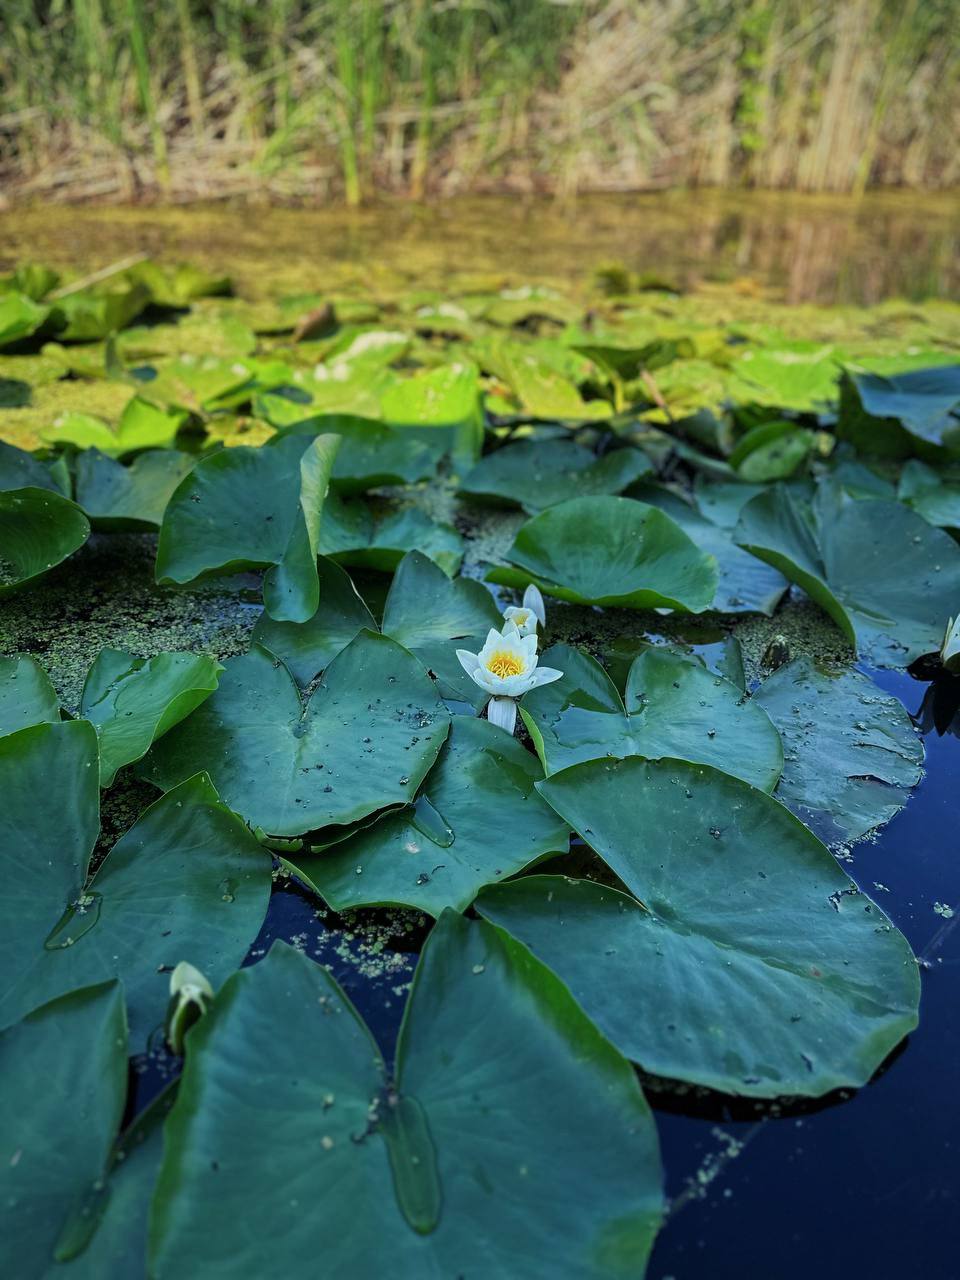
269	616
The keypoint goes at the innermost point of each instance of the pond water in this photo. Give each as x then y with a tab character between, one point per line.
796	248
856	1183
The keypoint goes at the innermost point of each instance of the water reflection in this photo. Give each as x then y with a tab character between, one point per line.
798	248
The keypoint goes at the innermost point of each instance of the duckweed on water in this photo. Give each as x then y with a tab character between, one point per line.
309	505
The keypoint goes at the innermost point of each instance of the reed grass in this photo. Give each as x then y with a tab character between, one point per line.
326	99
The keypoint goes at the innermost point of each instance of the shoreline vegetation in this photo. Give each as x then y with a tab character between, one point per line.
125	101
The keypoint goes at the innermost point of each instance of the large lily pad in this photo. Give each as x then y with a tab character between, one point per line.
672	706
880	571
133	701
851	753
901	412
363	741
611	551
442	850
250	508
539	474
38	530
135	497
746	960
508	1112
26	695
187	881
64	1074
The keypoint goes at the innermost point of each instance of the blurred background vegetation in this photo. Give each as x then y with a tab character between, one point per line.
344	99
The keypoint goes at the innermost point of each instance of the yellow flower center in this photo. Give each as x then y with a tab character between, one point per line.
521	618
503	664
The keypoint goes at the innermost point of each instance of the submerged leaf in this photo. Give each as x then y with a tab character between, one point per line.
851	753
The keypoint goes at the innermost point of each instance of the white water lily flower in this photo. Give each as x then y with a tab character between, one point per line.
530	614
950	649
506	666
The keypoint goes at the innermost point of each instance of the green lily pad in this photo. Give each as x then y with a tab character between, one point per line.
188	880
448	396
539	474
372	454
134	497
354	536
133	701
38	530
59	1136
499	1079
308	647
802	376
893	415
179	285
611	551
111	1242
439	853
426	611
364	740
672	706
92	314
201	384
141	425
744	583
880	571
250	508
772	451
540	390
746	961
851	753
21	470
26	695
20	317
929	495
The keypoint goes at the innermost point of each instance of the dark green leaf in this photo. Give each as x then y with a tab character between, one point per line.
673	706
611	551
443	849
364	741
499	1075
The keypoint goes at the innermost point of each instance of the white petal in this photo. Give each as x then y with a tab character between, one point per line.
533	600
511	632
544	675
469	661
503	713
486	680
514	686
493	638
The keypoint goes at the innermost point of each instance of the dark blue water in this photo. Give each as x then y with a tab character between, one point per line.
857	1184
862	1184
